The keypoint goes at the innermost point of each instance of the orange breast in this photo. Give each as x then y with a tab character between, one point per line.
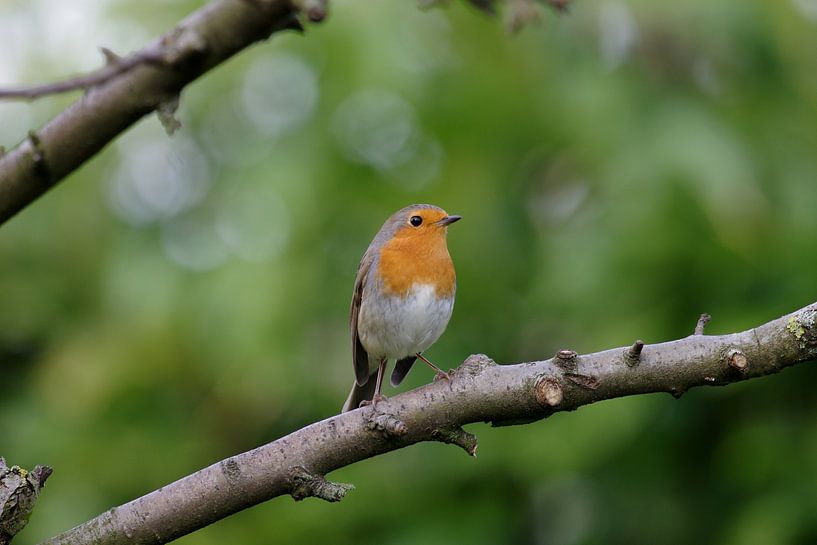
420	259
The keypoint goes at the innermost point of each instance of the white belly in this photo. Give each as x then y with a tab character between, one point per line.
395	327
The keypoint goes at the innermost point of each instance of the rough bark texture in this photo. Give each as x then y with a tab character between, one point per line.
479	390
18	494
129	88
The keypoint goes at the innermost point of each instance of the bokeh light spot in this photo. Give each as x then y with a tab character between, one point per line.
279	94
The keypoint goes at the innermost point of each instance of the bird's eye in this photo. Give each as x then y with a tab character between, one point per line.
416	221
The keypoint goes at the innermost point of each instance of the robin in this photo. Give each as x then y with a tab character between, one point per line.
403	298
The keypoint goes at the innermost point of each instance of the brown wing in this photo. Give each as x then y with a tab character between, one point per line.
360	357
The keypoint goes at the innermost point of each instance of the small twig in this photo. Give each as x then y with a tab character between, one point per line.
115	66
457	436
305	484
110	56
702	321
633	354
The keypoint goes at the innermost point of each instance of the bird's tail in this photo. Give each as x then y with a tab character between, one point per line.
360	393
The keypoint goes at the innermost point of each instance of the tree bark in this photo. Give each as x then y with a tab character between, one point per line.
129	88
479	391
19	489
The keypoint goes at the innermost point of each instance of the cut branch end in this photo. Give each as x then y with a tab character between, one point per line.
701	325
566	359
633	354
737	360
548	392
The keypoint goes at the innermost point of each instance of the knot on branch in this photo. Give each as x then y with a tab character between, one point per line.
304	484
19	490
231	471
182	46
803	326
633	354
677	392
585	381
737	360
457	436
38	155
566	359
475	364
390	425
548	391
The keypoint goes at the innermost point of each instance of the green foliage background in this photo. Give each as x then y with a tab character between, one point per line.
620	170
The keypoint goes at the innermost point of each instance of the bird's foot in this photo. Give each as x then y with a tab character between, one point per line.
440	375
373	402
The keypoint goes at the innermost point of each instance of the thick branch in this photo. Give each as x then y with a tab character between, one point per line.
129	88
478	391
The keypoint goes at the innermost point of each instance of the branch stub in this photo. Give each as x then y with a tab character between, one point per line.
566	359
19	490
701	325
390	425
633	354
737	360
305	484
548	391
457	436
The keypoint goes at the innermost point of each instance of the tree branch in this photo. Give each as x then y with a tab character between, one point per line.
18	494
127	89
479	391
114	66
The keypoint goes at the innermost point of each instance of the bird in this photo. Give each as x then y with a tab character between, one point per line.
402	300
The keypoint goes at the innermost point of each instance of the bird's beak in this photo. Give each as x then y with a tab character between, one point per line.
448	220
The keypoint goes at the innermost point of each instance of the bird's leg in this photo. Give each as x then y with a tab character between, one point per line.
440	373
381	369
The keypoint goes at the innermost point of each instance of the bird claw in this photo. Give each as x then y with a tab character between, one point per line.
440	375
373	402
